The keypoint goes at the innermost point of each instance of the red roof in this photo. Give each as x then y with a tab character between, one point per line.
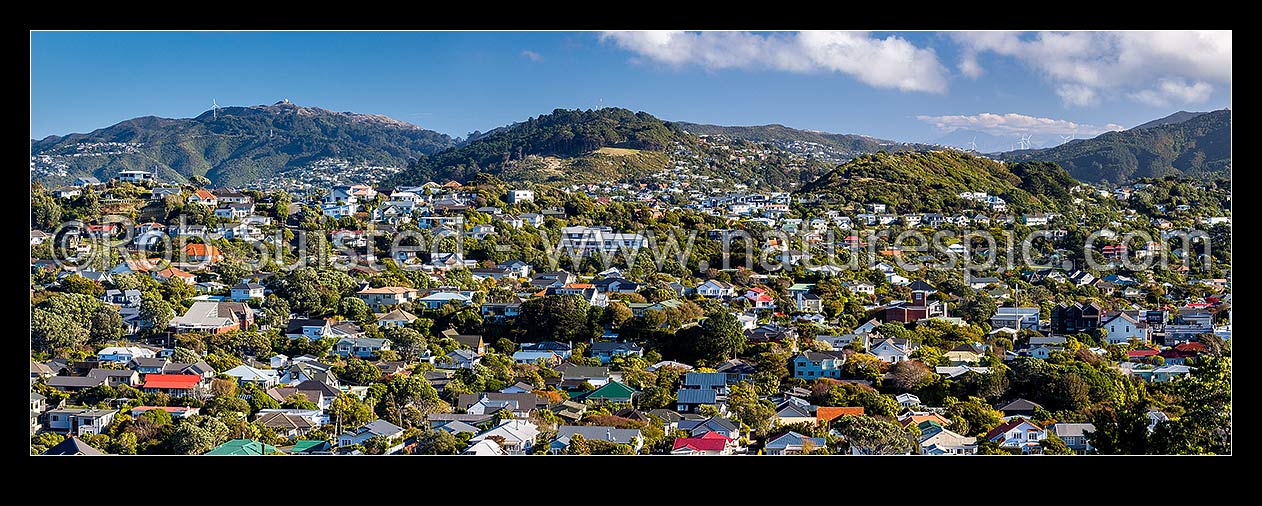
1005	428
1190	346
172	381
1142	352
711	441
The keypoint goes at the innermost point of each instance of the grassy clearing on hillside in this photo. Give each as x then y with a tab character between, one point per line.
617	151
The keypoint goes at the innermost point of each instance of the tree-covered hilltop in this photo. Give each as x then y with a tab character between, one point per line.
1196	147
931	181
849	143
610	144
234	145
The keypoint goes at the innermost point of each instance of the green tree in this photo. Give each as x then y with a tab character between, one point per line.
865	435
155	313
977	416
353	308
1053	445
357	371
721	337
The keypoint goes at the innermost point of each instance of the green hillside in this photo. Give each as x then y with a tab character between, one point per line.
1195	147
234	145
931	181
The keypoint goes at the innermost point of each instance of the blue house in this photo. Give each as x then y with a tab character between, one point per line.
809	365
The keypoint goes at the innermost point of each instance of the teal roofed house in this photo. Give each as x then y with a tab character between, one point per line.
243	447
610	392
306	446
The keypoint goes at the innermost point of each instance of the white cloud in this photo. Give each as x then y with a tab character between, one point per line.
891	62
531	55
1084	66
1013	124
1170	91
969	66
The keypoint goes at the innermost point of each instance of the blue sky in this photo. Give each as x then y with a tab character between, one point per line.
914	86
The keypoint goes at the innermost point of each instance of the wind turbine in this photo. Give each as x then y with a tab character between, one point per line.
973	143
1025	142
214	108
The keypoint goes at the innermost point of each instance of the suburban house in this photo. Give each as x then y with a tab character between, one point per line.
203	197
809	365
1074	435
1019	407
1121	328
242	292
1076	317
437	300
919	308
369	430
606	351
395	318
264	378
710	443
214	317
362	347
123	354
892	350
937	440
1018	433
175	385
516	436
378	298
629	437
716	289
310	328
80	421
792	443
202	253
1018	318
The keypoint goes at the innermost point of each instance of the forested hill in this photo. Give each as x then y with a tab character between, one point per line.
233	145
931	181
849	143
1199	146
546	147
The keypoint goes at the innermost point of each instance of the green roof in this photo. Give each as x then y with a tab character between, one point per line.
671	303
243	447
612	391
305	445
801	287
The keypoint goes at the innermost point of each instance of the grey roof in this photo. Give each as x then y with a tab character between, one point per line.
148	362
610	347
697	396
457	426
1062	429
547	346
317	386
1040	340
705	379
1020	405
35	396
295	325
793	439
74	381
107	373
372	342
72	446
524	400
380	427
569	370
247	286
622	436
703	425
198	368
666	415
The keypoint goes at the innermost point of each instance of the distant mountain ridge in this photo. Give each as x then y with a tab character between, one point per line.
1172	119
1197	146
851	143
233	145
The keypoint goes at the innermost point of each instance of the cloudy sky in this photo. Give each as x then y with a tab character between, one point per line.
910	86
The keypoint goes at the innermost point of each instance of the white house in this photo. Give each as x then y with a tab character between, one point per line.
246	291
1121	328
518	196
123	354
714	288
1018	433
